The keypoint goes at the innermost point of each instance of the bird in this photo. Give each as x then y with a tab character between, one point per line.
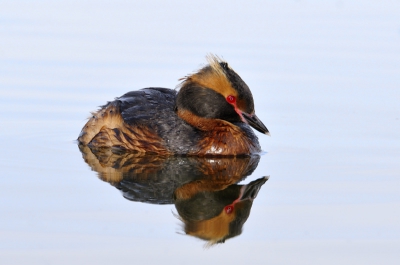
208	114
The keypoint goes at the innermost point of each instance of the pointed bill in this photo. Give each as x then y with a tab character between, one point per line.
255	122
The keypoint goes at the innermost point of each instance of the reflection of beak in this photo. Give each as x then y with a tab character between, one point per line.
254	122
251	190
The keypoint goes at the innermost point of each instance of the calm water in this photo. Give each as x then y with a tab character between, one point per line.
326	83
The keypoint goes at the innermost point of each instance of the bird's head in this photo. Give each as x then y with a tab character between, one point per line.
216	91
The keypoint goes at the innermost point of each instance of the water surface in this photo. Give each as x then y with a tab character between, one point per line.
325	78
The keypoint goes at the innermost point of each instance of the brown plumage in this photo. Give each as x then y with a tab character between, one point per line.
107	128
210	115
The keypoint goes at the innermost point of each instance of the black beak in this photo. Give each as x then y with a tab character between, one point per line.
252	189
255	122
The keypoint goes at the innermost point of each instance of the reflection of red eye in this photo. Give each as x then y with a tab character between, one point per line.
231	99
228	209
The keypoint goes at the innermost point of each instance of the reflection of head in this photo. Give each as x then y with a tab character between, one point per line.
220	215
220	228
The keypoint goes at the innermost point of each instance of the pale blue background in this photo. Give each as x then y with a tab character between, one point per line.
325	76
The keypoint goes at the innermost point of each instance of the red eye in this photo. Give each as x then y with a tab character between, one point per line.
229	209
231	99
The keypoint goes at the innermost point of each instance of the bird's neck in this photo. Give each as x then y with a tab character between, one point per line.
203	124
220	137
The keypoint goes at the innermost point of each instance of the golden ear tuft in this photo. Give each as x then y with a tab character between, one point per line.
214	64
214	61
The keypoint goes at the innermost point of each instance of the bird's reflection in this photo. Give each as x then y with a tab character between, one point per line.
209	202
216	215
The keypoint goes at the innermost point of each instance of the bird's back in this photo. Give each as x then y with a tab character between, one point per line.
143	121
154	108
